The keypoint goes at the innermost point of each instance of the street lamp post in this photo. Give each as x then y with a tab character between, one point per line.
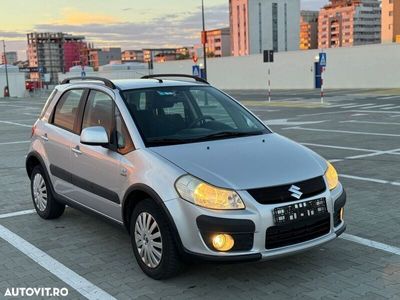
7	90
204	40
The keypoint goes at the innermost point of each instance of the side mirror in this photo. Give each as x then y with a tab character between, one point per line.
94	136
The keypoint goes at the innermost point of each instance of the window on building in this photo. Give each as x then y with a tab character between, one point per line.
260	26
275	26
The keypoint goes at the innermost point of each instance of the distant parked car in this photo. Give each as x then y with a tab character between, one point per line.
185	168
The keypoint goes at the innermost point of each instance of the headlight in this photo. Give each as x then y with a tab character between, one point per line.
206	195
331	176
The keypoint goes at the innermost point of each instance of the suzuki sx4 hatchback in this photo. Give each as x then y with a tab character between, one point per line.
188	170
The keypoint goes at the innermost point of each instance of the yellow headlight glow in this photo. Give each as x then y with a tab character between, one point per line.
331	177
206	195
223	242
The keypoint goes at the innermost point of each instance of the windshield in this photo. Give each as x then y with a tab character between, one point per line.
177	115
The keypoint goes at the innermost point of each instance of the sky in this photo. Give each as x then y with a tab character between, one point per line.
130	24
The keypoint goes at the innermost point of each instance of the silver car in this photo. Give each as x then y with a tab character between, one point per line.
185	168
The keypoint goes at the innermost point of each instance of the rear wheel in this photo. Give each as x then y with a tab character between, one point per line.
43	200
153	242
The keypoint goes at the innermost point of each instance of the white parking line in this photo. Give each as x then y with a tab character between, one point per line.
339	147
74	280
377	106
14	143
342	131
376	111
17	213
378	153
371	244
359	105
18	124
370	122
381	181
389	97
343	105
393	107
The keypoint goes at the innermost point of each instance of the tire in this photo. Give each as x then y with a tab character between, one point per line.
43	199
165	261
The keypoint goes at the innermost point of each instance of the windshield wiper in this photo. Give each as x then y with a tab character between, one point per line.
167	141
228	134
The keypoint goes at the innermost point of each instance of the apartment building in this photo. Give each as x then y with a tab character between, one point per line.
390	21
55	52
219	42
258	25
308	29
132	56
345	23
103	56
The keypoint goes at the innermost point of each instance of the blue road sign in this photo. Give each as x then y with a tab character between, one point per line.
322	59
196	70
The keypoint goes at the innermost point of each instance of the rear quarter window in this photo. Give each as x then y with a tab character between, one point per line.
48	102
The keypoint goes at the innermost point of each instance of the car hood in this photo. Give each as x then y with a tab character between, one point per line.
246	163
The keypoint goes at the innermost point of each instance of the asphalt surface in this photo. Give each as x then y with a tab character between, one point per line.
358	130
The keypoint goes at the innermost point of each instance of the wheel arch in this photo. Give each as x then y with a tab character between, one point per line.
32	160
139	192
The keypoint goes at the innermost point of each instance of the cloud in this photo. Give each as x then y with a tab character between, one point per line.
169	30
73	16
13	35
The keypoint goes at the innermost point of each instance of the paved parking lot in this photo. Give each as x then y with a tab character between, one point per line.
358	130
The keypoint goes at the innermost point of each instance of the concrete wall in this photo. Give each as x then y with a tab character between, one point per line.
372	66
16	81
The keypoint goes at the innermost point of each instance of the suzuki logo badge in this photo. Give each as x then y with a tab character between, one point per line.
295	190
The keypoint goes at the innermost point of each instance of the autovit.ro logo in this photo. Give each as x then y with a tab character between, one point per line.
36	292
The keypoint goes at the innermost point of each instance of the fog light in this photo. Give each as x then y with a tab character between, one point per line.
223	242
342	214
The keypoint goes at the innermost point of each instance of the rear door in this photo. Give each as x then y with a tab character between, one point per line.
97	173
57	136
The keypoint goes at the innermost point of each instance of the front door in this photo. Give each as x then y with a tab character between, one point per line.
96	170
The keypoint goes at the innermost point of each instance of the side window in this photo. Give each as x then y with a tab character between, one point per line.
124	141
48	102
67	109
99	111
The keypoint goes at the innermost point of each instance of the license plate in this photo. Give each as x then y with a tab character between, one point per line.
299	211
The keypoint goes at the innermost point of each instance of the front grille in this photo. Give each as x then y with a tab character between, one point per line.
298	232
281	194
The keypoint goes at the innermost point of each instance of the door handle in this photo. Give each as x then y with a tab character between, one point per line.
124	172
44	137
76	150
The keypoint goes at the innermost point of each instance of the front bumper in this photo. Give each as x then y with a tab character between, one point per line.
192	222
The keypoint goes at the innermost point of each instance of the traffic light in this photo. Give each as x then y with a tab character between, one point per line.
268	56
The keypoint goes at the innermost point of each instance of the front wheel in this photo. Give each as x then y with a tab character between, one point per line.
44	202
153	242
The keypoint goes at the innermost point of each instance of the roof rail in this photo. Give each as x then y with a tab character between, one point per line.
106	81
157	76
